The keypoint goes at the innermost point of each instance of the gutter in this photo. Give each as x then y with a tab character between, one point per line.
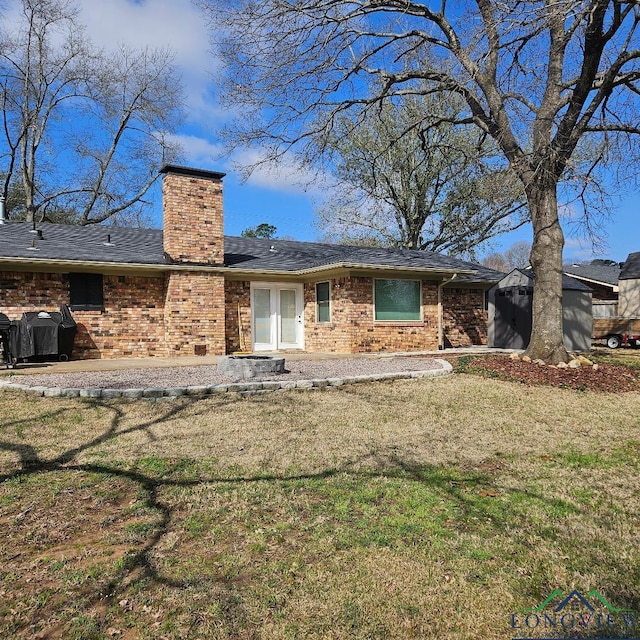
440	311
141	266
3	211
99	266
347	266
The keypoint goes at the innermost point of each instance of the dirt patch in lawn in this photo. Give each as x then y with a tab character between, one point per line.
606	378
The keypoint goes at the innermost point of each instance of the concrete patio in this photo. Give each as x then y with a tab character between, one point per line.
117	364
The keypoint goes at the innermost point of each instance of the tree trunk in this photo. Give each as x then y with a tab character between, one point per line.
547	336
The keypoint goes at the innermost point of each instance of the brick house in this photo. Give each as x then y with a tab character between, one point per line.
190	290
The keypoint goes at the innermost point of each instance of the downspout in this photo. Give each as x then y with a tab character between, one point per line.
3	211
440	311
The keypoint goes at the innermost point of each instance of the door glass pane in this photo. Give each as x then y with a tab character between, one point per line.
262	315
287	315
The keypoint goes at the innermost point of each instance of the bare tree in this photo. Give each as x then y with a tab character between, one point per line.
84	130
405	183
537	77
515	257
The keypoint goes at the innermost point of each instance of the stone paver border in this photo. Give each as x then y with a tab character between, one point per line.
243	388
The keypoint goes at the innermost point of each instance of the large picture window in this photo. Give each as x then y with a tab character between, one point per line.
85	291
322	302
397	299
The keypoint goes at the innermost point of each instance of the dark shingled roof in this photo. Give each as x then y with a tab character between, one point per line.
87	244
568	283
288	255
144	246
600	273
631	268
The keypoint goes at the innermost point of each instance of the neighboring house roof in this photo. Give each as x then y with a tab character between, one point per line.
122	246
601	274
631	268
568	283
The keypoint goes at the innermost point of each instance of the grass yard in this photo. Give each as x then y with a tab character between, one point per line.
424	509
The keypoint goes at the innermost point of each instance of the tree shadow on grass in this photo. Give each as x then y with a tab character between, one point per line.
471	491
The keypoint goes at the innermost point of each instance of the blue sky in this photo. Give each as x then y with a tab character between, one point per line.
277	198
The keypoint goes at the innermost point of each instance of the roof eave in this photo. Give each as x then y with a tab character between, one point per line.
96	265
614	287
347	266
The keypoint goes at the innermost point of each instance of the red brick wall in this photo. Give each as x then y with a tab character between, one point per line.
328	337
194	314
238	298
130	325
353	329
193	219
464	318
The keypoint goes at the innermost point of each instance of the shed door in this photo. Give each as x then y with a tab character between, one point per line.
513	317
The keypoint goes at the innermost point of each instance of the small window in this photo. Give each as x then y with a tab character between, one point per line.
85	291
397	299
322	302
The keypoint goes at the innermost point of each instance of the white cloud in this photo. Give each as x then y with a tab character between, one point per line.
177	25
199	152
580	250
183	28
174	24
569	213
285	176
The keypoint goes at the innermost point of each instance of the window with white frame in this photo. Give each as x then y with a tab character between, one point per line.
397	300
323	302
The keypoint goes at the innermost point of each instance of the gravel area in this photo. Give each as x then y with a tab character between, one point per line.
208	375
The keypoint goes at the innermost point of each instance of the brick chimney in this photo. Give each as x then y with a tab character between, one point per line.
193	215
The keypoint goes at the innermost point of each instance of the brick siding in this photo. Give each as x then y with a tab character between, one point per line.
465	320
130	324
353	329
194	314
193	219
238	299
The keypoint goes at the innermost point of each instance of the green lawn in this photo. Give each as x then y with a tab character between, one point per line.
424	509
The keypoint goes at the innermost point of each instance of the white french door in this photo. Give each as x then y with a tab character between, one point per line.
277	316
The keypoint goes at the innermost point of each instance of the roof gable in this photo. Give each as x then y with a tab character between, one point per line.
520	277
631	268
597	273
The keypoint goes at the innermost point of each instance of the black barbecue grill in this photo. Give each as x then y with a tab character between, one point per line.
39	334
5	330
